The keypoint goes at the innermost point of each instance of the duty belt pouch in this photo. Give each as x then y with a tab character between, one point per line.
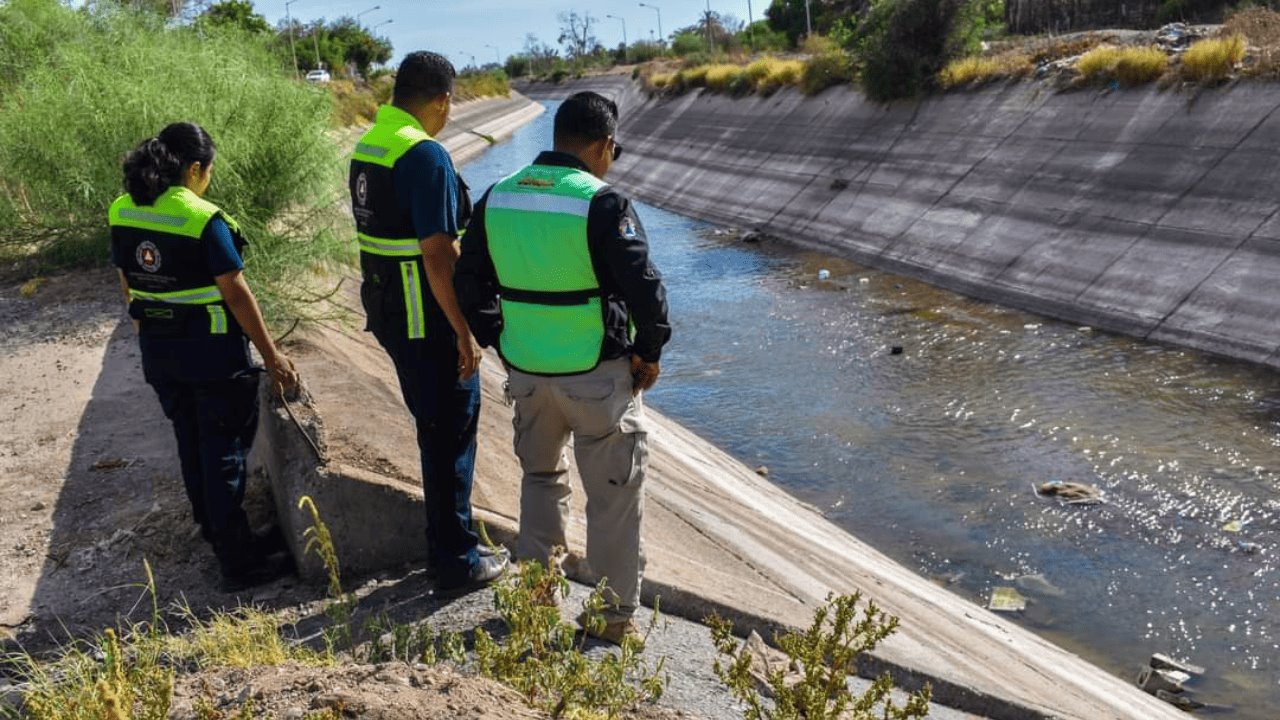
161	319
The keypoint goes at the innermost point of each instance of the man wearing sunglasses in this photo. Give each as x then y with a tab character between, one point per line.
555	274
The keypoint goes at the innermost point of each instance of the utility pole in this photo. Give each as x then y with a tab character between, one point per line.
711	48
661	38
315	41
626	50
288	20
751	33
808	20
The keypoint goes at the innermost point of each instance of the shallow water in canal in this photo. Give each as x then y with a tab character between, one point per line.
931	455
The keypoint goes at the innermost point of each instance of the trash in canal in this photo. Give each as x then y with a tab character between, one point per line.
895	350
1038	584
1006	599
1234	526
1070	493
1248	548
824	274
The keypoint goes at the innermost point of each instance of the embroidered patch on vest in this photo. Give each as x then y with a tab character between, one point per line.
148	256
362	189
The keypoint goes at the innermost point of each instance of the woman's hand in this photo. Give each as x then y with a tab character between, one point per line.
284	376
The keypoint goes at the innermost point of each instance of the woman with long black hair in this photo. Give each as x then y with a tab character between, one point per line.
181	267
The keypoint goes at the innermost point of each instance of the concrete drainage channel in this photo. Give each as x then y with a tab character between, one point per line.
720	538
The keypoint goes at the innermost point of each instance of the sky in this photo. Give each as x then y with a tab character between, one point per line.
463	29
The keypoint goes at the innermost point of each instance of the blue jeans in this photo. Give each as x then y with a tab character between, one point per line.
446	411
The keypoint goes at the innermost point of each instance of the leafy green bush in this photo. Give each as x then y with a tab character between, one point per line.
905	43
823	71
823	656
489	83
541	660
84	87
688	43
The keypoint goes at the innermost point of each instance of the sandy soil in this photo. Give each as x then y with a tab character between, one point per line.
89	473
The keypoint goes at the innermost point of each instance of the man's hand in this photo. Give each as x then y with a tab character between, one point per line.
643	374
469	354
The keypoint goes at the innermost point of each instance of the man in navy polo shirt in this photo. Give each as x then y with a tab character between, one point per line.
410	205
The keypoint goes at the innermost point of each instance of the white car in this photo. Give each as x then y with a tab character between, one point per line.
318	76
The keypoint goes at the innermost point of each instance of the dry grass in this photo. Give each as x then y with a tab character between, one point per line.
1261	27
1213	59
352	104
768	74
1130	66
978	70
694	76
723	77
661	81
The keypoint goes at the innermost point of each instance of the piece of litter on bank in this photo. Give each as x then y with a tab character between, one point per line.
824	274
864	281
108	464
763	471
1006	599
1031	326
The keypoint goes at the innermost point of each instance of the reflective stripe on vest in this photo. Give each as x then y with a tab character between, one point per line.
536	222
389	248
178	211
412	284
217	320
195	296
394	133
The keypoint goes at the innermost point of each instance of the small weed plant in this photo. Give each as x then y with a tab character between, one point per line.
824	655
541	659
1213	59
340	611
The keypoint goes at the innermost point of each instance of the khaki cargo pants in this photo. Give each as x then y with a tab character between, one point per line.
611	446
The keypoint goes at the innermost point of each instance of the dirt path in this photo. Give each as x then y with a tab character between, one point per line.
89	472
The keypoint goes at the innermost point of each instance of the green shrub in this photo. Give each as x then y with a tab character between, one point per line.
688	43
824	655
92	84
1213	59
490	83
904	44
823	71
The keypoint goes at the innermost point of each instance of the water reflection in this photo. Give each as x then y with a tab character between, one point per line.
931	455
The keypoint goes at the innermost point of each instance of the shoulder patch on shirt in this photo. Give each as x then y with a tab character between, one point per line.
627	228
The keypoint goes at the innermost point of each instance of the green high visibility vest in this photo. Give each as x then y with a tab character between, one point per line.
169	266
552	309
389	231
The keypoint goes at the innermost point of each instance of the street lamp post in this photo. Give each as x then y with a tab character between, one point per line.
808	20
365	12
655	8
288	21
751	33
497	56
384	22
626	51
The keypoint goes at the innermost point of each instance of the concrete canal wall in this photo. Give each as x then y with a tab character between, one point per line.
1149	213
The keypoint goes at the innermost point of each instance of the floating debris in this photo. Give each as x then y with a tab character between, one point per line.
1006	599
1160	661
1038	584
824	274
895	350
763	471
1070	493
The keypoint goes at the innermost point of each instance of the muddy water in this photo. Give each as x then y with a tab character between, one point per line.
931	454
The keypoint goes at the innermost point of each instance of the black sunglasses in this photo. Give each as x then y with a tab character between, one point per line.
617	151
